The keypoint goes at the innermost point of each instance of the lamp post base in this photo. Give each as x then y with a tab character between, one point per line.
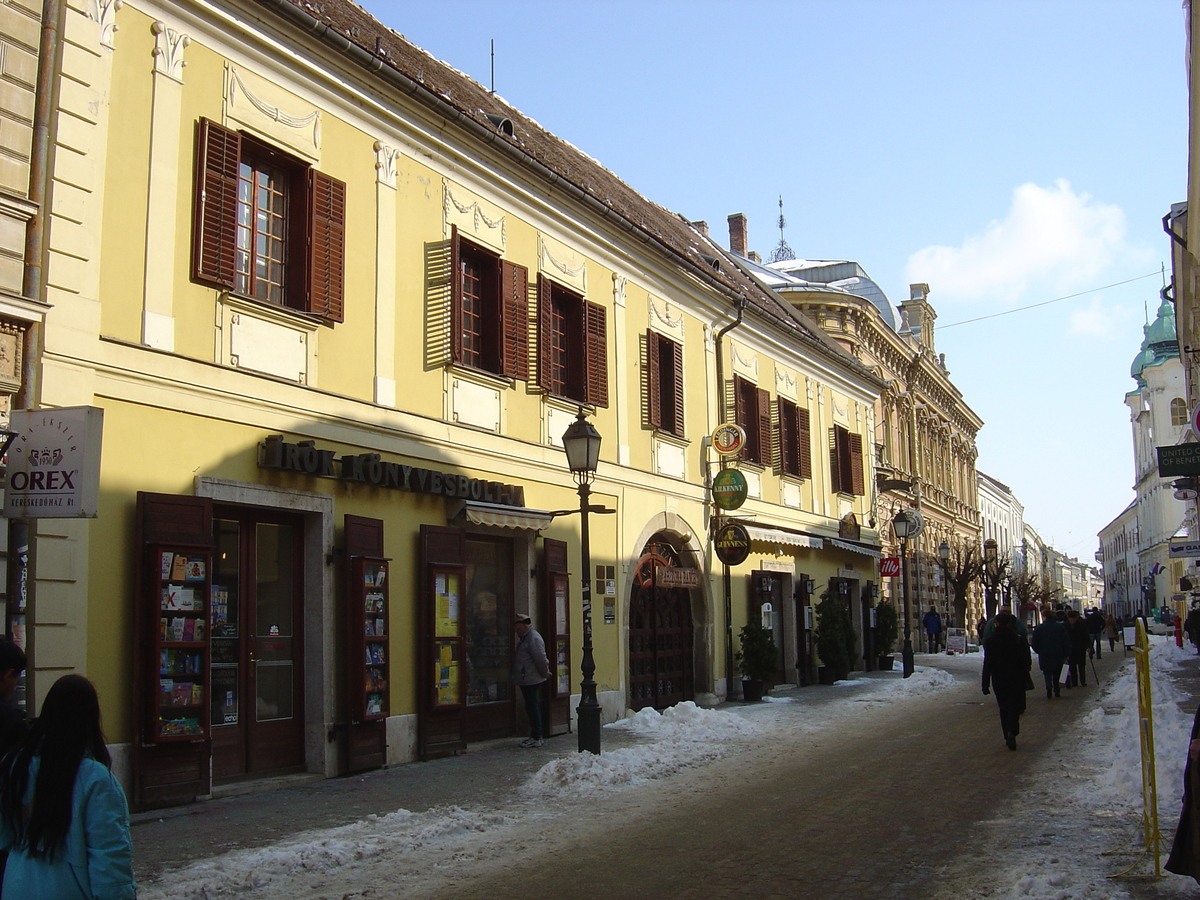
907	655
588	725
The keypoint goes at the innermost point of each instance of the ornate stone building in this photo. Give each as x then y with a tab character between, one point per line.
924	449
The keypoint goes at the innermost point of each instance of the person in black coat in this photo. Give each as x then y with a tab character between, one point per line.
1080	642
1185	851
1052	644
1006	665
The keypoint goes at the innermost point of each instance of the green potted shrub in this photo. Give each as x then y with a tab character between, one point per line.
887	630
757	660
835	639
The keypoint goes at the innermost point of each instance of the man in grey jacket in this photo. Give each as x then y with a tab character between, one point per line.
530	671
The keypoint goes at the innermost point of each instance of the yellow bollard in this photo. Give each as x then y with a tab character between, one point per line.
1153	839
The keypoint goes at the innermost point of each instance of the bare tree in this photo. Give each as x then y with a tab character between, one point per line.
994	573
963	566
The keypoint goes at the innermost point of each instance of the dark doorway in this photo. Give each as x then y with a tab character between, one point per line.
660	633
257	644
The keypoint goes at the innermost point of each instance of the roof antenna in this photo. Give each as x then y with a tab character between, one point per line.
783	251
493	91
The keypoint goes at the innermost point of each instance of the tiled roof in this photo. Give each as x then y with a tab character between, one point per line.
346	25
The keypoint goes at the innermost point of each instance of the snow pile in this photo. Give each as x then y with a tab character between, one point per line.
249	872
684	735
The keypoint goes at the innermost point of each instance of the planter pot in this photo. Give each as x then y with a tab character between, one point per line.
885	663
826	675
752	689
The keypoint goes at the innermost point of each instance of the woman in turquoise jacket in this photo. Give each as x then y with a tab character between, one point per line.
63	816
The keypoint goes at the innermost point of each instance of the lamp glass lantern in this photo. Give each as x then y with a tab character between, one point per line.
581	442
944	551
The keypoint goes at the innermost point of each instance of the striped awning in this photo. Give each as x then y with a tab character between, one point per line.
500	516
783	538
857	548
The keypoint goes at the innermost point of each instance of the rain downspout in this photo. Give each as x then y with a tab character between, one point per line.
723	412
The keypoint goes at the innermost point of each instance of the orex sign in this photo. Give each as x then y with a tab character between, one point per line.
369	468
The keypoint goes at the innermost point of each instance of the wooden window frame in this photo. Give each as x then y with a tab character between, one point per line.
315	241
664	384
752	411
580	328
503	312
795	439
846	461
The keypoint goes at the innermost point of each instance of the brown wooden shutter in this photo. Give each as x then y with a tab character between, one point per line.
835	469
514	320
653	382
596	353
856	464
456	288
545	326
804	441
326	246
214	213
786	460
764	427
677	368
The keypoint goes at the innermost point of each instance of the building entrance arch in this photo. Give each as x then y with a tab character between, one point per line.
661	631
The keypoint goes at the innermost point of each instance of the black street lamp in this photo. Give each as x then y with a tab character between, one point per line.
582	444
944	554
906	525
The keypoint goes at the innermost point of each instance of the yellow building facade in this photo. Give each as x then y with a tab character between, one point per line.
338	305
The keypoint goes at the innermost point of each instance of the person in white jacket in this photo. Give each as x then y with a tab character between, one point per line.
530	671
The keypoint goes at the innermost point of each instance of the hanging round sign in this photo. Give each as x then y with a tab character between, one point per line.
729	489
728	439
732	544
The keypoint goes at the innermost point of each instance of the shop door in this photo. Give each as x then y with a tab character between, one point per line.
766	607
257	645
660	635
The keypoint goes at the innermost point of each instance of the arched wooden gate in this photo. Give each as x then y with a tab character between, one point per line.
660	631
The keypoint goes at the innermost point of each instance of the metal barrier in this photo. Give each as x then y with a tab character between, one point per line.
1153	841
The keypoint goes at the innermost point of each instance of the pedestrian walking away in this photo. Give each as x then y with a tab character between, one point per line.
1080	647
933	629
1052	645
1003	610
1006	665
1095	628
1111	631
530	671
63	816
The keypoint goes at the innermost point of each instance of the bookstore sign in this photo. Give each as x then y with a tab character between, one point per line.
54	463
369	468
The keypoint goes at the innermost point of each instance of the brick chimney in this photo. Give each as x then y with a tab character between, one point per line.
737	234
701	226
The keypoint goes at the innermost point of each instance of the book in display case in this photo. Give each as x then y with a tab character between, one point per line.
367	625
180	587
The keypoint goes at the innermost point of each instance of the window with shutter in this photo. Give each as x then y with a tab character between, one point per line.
267	225
794	439
664	384
488	311
572	345
846	459
749	413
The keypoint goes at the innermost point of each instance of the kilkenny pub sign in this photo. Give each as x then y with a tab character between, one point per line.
370	469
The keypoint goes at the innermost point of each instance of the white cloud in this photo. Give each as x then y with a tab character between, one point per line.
1052	238
1100	320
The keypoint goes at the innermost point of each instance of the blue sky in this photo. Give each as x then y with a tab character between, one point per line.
1007	153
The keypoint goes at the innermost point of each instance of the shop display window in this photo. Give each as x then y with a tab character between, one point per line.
181	599
368	627
488	622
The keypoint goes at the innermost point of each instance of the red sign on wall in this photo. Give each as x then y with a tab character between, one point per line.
889	567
